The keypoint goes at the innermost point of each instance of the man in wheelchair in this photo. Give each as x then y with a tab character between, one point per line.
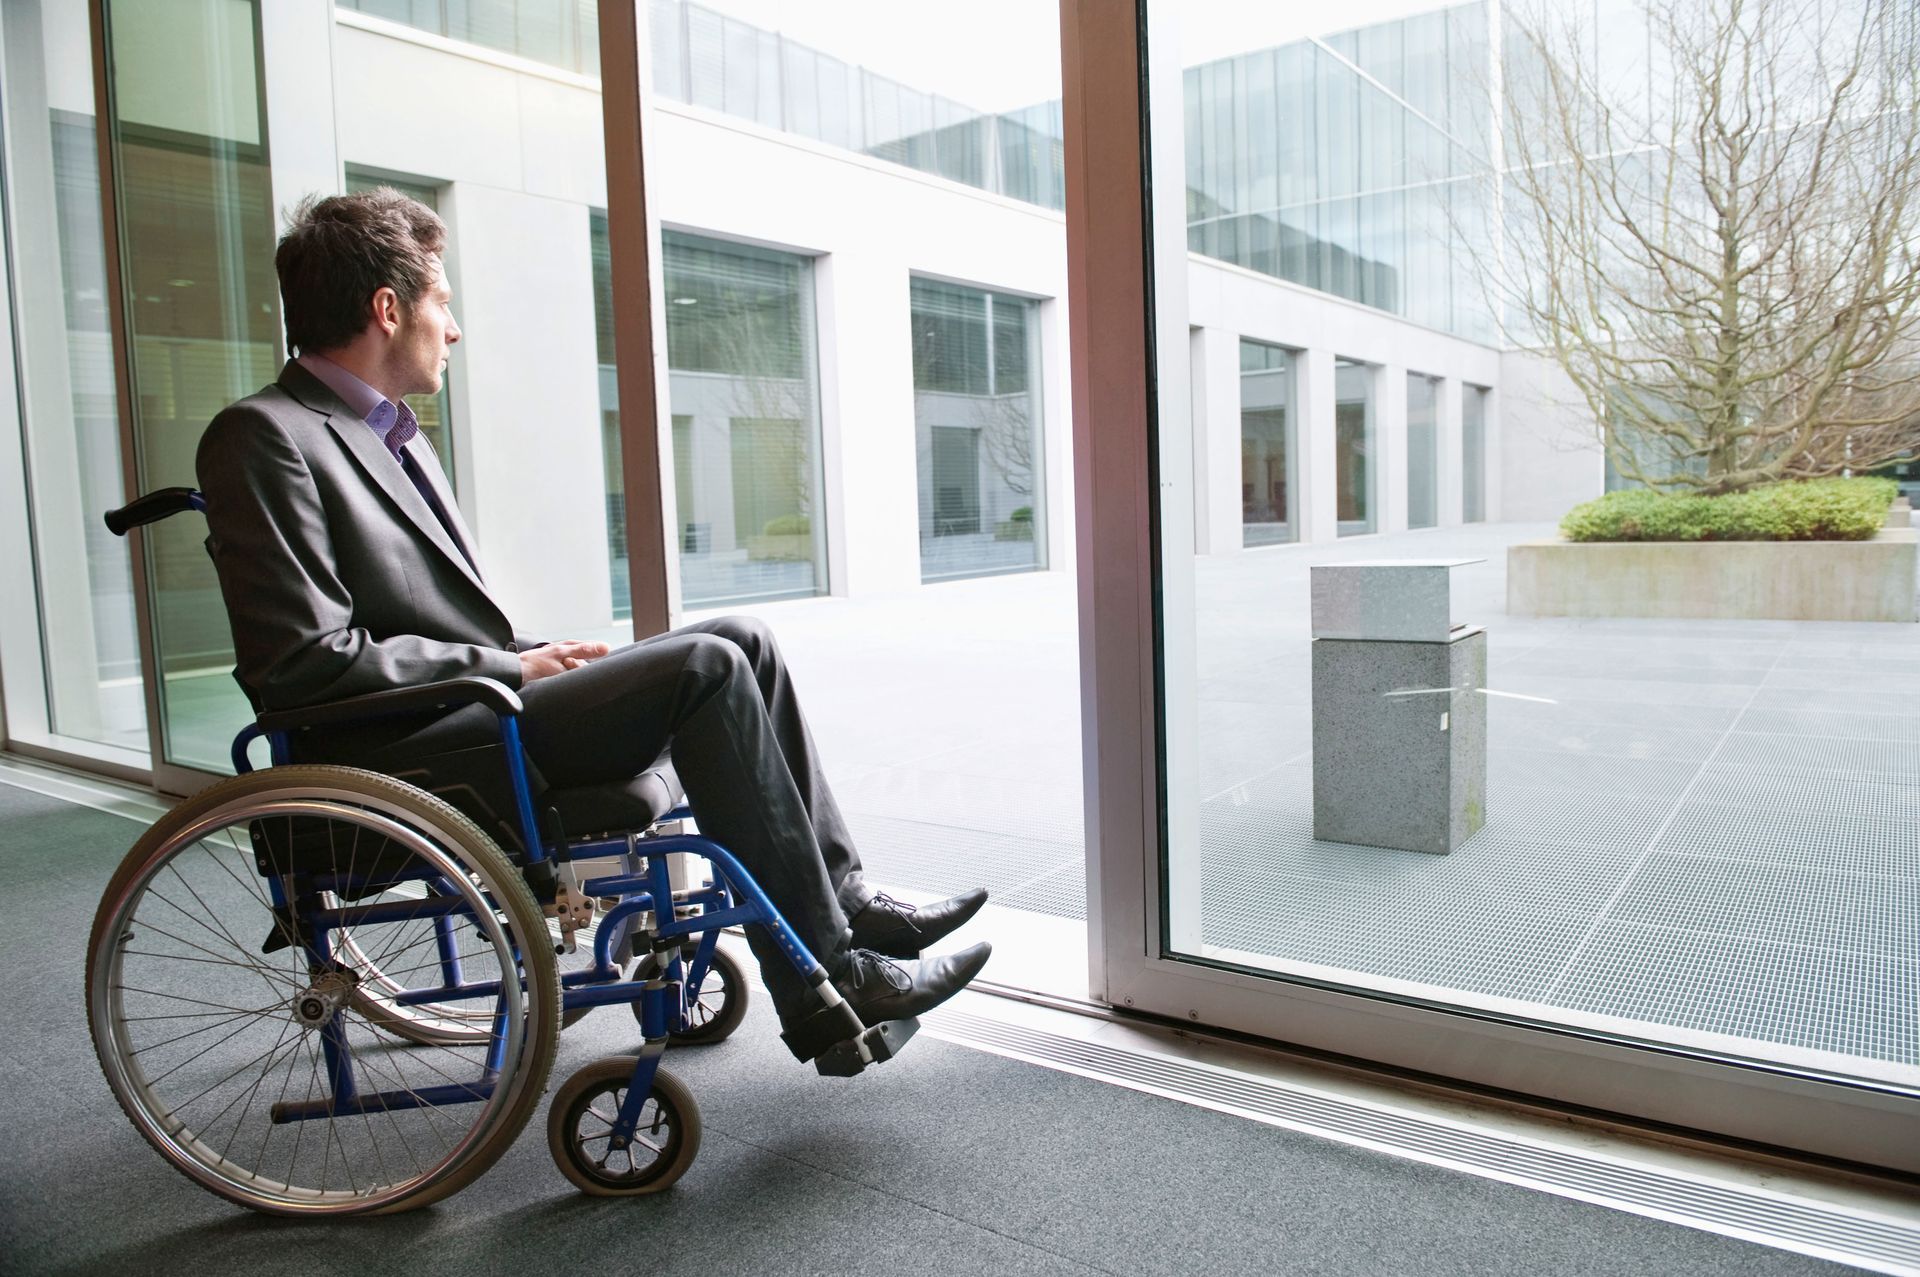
346	569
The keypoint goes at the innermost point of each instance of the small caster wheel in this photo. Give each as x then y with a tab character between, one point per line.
580	1131
720	1006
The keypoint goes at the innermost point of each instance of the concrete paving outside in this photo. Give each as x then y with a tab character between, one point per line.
1706	826
1703	825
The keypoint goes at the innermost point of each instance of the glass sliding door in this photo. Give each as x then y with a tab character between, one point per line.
1266	445
1608	859
879	249
195	204
223	120
1423	451
69	640
976	417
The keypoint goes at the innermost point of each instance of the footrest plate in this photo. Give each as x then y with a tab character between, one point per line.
881	1042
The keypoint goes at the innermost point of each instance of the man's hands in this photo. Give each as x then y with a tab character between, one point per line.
557	658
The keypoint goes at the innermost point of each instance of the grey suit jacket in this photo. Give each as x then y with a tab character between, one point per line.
338	578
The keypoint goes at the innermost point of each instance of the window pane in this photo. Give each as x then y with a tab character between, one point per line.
740	334
1266	445
1473	444
1423	454
1610	786
434	412
86	672
1354	464
196	196
977	426
913	333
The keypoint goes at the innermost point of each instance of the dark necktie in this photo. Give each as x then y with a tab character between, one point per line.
405	427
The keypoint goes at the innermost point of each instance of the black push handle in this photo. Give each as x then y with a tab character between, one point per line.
152	508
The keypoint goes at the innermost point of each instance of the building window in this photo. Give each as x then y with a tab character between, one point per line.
435	411
1423	451
976	410
1266	445
744	388
1353	447
1473	454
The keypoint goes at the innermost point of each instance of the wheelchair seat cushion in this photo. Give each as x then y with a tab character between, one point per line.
617	806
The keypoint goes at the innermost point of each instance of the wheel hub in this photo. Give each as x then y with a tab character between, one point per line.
314	1005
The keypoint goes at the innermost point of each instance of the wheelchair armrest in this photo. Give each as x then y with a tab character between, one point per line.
492	693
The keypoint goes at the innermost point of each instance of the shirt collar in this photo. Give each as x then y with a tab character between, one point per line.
381	414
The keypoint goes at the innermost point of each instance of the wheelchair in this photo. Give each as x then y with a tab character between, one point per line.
323	990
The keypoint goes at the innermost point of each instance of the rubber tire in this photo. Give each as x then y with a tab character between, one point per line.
733	1005
355	787
609	1075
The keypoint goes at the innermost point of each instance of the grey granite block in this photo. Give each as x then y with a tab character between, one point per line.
1400	742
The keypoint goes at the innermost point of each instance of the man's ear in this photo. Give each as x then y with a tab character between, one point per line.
386	309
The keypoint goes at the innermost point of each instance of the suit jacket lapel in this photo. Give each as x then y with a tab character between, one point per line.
381	468
428	462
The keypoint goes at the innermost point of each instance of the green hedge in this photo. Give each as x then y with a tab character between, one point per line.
1814	510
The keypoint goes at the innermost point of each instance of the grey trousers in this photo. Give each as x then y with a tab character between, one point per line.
718	695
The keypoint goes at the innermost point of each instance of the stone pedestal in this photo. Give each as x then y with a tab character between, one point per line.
1399	720
1400	742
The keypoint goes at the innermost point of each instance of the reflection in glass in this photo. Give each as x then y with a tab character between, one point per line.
1423	451
89	644
745	401
976	416
202	307
711	60
561	33
609	390
1353	445
1473	448
1266	445
1341	162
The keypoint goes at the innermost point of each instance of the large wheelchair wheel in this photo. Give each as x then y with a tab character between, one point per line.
222	976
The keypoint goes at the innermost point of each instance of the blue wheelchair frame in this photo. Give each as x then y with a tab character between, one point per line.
833	1036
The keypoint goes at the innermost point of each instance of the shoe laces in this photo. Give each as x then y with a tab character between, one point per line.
898	908
868	965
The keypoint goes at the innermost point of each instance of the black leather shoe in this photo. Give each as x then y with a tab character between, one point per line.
878	988
900	930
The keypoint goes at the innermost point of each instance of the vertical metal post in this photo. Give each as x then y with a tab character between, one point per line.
113	243
639	319
1109	297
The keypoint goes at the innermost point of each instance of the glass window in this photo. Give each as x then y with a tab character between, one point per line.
435	411
83	685
977	426
1623	790
743	378
1266	445
1423	451
1354	465
561	33
202	310
1473	450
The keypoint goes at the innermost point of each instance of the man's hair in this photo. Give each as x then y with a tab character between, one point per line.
340	250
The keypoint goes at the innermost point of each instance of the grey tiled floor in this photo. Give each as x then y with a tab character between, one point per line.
1712	825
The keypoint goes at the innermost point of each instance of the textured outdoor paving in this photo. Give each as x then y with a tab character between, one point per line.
1700	824
1708	825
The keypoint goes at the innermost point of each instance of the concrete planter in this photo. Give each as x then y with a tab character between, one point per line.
1731	580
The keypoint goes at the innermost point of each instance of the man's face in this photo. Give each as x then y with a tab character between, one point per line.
426	333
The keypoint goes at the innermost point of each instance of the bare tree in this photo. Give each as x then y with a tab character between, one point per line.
1723	257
